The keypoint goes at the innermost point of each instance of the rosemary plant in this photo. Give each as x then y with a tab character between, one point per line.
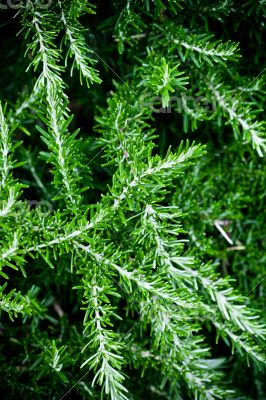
132	196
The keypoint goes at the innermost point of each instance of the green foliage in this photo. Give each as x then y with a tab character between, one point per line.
132	215
162	79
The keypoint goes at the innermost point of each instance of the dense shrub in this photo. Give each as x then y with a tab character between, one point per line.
132	200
